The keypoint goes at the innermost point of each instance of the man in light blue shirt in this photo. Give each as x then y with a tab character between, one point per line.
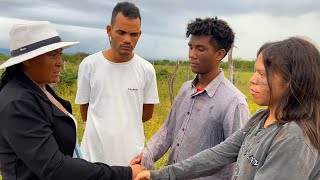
207	109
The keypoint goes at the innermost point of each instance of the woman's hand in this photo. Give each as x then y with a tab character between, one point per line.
136	169
143	175
136	160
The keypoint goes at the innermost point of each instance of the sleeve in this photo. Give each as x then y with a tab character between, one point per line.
83	89
29	133
150	90
288	159
160	142
205	163
236	117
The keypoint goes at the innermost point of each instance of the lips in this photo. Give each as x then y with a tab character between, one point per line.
126	47
57	73
253	92
193	64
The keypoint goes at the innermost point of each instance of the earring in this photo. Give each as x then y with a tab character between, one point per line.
109	39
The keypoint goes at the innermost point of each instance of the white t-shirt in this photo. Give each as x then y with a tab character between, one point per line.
116	93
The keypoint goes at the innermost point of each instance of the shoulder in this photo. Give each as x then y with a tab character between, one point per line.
23	101
293	133
186	85
13	91
231	92
91	59
146	65
292	130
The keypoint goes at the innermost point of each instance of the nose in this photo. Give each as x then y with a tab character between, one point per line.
192	54
254	79
59	62
127	39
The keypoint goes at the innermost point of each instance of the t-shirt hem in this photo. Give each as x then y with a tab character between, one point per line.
153	101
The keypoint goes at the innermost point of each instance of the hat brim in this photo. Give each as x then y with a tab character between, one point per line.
37	52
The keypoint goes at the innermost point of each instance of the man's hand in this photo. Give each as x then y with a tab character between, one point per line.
136	169
144	175
136	160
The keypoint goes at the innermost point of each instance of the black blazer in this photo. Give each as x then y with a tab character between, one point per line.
37	140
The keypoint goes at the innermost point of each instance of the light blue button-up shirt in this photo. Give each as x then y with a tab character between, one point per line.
198	121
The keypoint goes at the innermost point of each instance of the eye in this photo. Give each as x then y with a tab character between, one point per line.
55	55
121	32
134	34
201	49
262	73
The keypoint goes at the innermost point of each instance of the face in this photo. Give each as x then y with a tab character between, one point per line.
259	88
124	34
45	68
202	56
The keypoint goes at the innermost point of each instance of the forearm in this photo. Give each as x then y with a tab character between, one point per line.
147	112
205	163
157	146
84	111
80	169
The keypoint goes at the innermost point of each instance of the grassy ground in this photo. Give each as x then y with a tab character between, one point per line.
162	109
68	92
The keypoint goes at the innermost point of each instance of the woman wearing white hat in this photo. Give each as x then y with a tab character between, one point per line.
37	130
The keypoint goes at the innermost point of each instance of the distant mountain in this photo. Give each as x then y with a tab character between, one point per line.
5	51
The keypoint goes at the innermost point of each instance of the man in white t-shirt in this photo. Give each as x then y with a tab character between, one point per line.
117	91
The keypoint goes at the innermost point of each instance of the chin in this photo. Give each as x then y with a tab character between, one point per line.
194	70
55	80
125	53
260	103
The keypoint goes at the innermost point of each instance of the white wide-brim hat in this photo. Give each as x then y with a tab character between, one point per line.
31	40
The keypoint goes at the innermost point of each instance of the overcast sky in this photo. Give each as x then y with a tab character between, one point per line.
164	22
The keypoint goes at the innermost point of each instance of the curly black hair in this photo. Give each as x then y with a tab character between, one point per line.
221	35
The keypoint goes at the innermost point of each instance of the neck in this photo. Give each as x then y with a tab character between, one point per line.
271	118
205	79
115	57
42	86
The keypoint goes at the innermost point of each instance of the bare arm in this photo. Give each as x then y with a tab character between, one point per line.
147	112
84	111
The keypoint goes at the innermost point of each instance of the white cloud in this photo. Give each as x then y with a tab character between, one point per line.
164	22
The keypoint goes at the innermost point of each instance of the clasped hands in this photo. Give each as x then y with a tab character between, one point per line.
139	172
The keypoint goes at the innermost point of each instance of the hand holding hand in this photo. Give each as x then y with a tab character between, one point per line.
136	160
144	175
136	169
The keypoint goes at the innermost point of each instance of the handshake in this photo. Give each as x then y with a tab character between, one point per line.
139	172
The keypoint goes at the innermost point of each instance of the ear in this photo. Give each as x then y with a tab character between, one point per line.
220	54
109	28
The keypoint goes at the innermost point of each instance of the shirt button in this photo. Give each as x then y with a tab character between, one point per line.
182	129
178	144
188	112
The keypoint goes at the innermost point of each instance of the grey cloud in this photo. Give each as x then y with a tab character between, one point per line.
163	21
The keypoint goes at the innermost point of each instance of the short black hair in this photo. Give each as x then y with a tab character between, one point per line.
221	35
129	10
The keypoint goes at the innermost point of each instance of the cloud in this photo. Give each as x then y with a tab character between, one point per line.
164	22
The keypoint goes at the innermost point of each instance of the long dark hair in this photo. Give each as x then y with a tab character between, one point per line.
8	74
298	62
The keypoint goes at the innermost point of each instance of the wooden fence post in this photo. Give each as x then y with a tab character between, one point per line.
231	65
171	81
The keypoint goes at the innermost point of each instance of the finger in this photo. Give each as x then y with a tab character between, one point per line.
143	168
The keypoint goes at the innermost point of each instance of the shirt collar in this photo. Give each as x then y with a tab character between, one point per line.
212	86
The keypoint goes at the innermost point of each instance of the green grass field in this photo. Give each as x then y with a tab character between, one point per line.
161	111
